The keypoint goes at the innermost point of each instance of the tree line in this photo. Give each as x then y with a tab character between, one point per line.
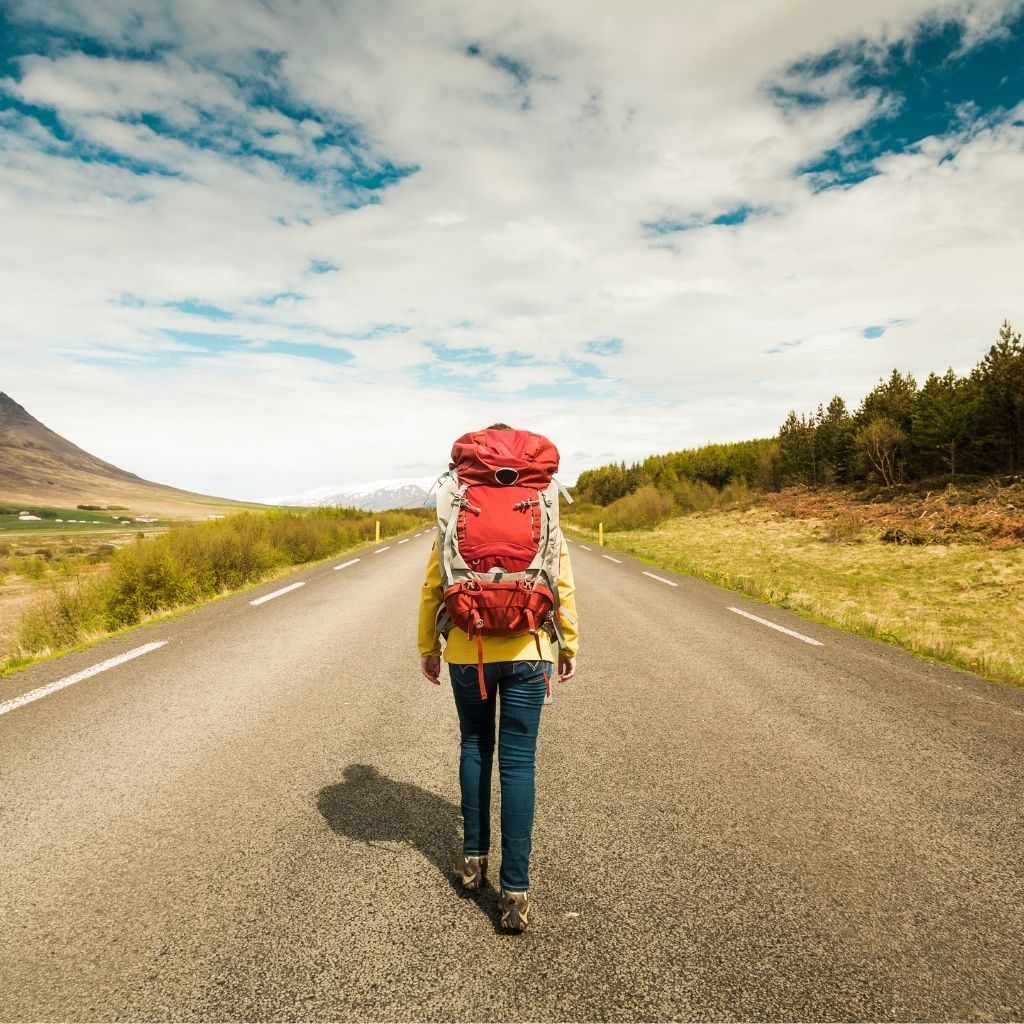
948	427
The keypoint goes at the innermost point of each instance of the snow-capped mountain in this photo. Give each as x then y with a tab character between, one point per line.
374	496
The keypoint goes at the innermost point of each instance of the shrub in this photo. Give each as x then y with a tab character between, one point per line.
32	568
62	617
644	509
695	496
843	528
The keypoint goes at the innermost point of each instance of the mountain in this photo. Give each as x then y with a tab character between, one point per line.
375	496
39	467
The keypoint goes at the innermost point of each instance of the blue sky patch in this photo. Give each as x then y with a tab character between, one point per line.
322	267
195	308
380	331
518	70
273	300
583	369
308	350
604	346
671	225
209	343
205	341
932	87
784	346
476	356
572	378
734	216
674	225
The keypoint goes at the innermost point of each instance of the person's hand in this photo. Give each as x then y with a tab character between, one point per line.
566	667
430	666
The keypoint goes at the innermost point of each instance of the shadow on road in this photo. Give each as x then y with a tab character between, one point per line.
371	808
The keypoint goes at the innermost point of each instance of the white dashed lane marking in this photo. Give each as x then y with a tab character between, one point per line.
380	551
276	593
585	548
345	565
775	625
405	541
43	691
617	561
660	579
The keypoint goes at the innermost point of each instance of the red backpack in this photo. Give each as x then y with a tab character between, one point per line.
499	540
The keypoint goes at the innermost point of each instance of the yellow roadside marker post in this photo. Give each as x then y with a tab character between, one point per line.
600	534
376	538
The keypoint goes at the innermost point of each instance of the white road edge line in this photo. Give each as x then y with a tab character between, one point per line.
617	561
381	551
660	579
43	691
775	625
345	565
277	593
405	540
585	548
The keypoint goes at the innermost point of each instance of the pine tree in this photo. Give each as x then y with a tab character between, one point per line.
798	462
1000	381
943	420
835	444
890	407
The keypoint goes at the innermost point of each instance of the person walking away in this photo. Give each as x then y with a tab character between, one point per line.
499	592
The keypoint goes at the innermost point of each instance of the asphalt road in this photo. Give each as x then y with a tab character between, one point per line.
256	820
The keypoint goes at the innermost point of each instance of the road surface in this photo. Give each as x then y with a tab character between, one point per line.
254	818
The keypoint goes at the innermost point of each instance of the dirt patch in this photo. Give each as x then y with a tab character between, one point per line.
990	515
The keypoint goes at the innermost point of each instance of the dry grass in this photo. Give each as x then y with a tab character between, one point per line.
962	603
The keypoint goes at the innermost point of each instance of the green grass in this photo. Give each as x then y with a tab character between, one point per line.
960	604
10	523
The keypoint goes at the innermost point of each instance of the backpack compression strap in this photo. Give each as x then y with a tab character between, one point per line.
478	633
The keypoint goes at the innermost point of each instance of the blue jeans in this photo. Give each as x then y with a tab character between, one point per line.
518	688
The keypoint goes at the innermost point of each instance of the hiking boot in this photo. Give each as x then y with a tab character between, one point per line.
472	872
515	911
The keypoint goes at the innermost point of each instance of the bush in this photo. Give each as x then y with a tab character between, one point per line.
695	496
642	510
61	618
31	568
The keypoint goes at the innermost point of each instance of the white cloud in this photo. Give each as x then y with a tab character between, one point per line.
522	231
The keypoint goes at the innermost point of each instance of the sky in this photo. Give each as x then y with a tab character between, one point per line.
252	248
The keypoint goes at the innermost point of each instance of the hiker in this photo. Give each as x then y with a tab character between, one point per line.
499	589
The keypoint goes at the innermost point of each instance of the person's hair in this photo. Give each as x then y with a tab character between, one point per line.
499	426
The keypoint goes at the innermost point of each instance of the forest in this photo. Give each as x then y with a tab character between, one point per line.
949	429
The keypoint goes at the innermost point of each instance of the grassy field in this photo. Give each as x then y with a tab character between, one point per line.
959	602
52	519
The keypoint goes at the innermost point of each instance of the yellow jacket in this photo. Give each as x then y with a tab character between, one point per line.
461	650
